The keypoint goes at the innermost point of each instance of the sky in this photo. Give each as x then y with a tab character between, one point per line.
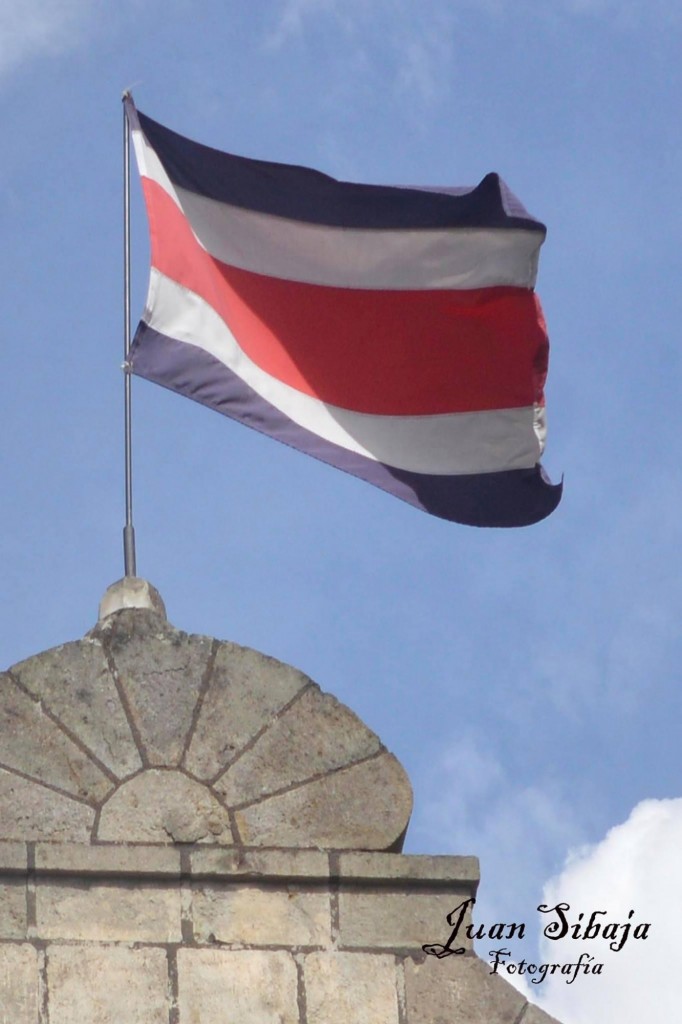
527	679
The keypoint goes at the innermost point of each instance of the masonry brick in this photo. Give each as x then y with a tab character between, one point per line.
344	987
161	671
245	692
13	857
29	811
32	743
220	986
459	990
108	913
164	807
261	917
534	1015
20	990
316	735
400	920
107	985
13	917
74	683
366	807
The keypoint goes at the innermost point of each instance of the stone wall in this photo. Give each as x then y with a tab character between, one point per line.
133	933
193	833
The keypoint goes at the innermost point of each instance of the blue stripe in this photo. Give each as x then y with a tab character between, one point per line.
300	193
512	498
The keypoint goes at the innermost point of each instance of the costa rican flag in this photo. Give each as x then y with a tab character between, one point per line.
391	332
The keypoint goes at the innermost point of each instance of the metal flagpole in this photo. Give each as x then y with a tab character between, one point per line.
128	529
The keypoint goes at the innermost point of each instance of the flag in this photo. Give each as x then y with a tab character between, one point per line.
392	332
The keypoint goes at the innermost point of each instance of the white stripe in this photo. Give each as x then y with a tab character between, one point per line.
149	165
445	444
458	258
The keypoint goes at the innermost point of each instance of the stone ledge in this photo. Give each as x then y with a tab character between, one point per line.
353	870
107	861
258	864
419	869
397	920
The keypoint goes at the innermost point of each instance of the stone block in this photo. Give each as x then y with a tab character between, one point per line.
261	917
387	919
315	735
345	987
107	985
420	869
254	863
75	859
534	1015
245	692
13	910
220	986
365	807
74	683
161	671
459	990
29	811
164	807
108	913
20	988
13	856
33	744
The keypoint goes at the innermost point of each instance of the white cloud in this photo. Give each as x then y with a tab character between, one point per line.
635	868
41	27
518	831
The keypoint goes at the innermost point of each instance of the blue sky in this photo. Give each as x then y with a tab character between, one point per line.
528	679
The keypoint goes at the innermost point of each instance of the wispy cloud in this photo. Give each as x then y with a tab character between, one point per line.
623	13
409	25
416	44
41	27
519	831
294	16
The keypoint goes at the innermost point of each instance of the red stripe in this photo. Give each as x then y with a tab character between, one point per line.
384	352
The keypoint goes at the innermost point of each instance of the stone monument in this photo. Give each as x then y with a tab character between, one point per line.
194	833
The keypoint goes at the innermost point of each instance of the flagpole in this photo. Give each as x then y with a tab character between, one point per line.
128	529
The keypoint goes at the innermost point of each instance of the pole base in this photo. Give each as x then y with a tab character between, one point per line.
131	592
